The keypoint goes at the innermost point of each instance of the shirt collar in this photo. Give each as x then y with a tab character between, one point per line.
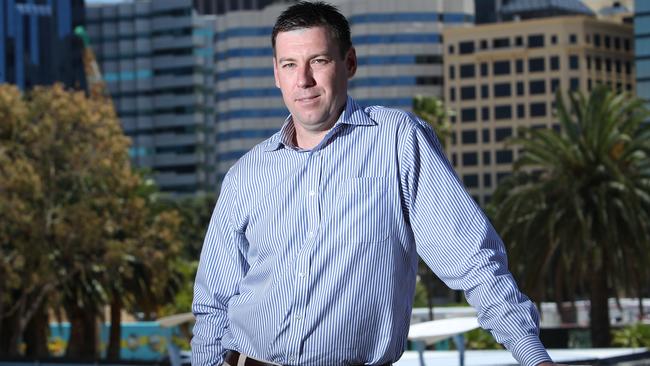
353	114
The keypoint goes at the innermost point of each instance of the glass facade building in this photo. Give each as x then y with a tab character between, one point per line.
37	44
157	60
642	48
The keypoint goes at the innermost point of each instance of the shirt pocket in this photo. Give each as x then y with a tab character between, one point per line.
361	212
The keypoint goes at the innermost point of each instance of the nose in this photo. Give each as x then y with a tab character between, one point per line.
305	77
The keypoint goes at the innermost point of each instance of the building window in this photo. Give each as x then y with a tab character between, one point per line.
573	39
503	112
597	40
519	41
504	156
467	93
628	68
589	84
537	87
554	39
607	41
454	159
452	72
617	65
555	84
468	137
535	40
588	62
598	63
465	48
520	88
587	38
608	65
536	64
501	67
470	159
486	137
501	43
502	90
484	69
452	94
519	66
574	84
617	43
470	180
484	44
468	114
538	109
467	71
626	44
485	91
485	114
573	62
555	62
502	133
487	177
521	113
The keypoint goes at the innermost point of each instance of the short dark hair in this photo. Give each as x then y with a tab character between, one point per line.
307	14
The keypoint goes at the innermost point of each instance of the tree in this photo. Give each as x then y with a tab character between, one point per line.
76	230
576	212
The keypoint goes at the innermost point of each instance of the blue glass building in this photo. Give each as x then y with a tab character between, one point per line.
37	45
642	47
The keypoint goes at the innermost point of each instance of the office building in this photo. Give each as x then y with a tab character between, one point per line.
503	76
37	43
642	48
218	7
398	44
157	60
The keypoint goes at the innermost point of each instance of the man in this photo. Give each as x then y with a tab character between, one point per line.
311	254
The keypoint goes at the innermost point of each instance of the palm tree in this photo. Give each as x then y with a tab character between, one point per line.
576	211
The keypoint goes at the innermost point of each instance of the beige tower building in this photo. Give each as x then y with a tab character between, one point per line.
503	76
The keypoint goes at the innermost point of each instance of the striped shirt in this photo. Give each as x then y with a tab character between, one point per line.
311	255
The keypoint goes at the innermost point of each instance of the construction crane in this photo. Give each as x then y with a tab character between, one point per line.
96	85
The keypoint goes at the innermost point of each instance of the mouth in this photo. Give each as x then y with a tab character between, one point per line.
307	99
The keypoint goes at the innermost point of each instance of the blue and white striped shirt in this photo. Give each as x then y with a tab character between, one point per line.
311	255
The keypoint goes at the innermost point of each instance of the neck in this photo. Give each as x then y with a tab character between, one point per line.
305	139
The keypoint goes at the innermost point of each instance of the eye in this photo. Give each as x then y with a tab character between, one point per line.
288	65
320	61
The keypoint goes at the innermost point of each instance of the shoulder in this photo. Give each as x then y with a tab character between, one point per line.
393	117
251	159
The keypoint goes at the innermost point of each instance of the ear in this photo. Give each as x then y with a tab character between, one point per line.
275	72
351	62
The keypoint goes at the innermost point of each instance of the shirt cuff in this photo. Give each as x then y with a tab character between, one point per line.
529	351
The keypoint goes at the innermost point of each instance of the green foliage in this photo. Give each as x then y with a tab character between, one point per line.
78	229
576	212
480	339
633	336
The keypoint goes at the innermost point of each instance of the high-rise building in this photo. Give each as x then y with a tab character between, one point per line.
503	76
225	6
37	43
642	48
157	60
398	45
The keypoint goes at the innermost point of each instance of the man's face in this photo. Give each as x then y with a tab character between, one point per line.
312	76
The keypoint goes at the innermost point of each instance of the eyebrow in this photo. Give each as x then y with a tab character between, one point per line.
316	55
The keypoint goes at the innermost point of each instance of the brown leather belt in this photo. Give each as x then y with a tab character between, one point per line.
232	357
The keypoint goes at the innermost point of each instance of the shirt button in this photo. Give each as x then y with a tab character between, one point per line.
298	317
312	193
301	274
